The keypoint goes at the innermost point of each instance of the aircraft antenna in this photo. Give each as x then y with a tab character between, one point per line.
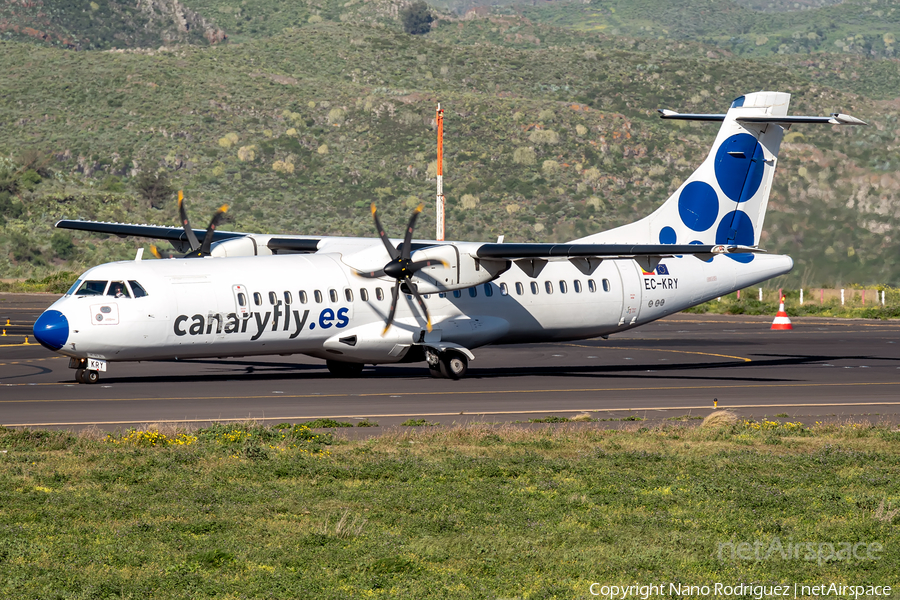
439	205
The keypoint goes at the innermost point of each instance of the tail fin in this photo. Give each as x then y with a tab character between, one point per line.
724	201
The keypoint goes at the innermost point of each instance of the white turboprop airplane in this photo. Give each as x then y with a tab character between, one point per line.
356	301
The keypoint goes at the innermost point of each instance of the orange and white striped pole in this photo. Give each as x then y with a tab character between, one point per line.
439	205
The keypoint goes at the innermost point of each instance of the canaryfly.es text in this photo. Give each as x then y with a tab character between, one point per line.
756	591
257	323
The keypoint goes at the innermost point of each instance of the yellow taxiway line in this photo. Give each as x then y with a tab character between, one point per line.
629	409
474	393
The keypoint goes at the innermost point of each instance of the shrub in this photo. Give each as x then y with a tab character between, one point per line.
247	153
469	201
550	166
524	156
336	116
544	136
62	245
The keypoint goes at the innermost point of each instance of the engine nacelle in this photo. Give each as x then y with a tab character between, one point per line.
463	269
247	245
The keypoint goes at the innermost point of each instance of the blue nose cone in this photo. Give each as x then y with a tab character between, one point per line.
52	329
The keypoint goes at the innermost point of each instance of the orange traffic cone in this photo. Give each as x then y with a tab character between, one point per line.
782	321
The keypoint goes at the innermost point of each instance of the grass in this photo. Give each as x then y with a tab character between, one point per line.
463	512
854	309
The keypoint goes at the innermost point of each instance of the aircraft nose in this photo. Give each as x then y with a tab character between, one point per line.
52	329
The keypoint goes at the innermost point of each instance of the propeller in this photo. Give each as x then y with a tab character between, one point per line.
198	248
401	267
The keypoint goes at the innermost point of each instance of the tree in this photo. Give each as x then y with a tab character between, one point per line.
417	18
154	187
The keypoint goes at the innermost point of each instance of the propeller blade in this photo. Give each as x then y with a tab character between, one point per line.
392	252
409	231
369	274
192	239
160	253
390	319
211	230
421	301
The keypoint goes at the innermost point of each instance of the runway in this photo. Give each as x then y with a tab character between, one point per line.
824	369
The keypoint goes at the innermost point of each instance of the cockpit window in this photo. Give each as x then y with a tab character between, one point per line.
139	291
73	288
118	290
92	288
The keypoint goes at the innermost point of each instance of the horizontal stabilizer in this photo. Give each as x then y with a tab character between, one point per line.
517	251
834	119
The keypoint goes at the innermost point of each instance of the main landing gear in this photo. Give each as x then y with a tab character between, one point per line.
344	369
448	364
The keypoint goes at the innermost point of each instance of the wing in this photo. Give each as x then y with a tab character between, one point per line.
173	234
521	251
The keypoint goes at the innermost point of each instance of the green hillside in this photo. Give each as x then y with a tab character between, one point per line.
862	27
550	133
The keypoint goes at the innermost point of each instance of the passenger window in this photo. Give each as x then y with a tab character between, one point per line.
348	294
136	289
92	288
534	287
504	290
457	293
592	285
577	286
488	290
242	299
606	286
379	295
520	289
257	298
303	297
364	294
562	287
318	296
273	299
73	288
117	289
288	298
333	295
548	285
473	291
442	295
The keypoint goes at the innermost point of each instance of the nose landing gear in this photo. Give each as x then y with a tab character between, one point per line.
86	376
83	374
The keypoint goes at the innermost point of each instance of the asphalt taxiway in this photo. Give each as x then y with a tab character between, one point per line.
823	369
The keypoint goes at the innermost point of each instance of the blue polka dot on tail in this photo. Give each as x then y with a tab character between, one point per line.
733	163
667	235
738	226
698	205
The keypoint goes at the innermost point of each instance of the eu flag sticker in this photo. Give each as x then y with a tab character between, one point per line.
661	269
